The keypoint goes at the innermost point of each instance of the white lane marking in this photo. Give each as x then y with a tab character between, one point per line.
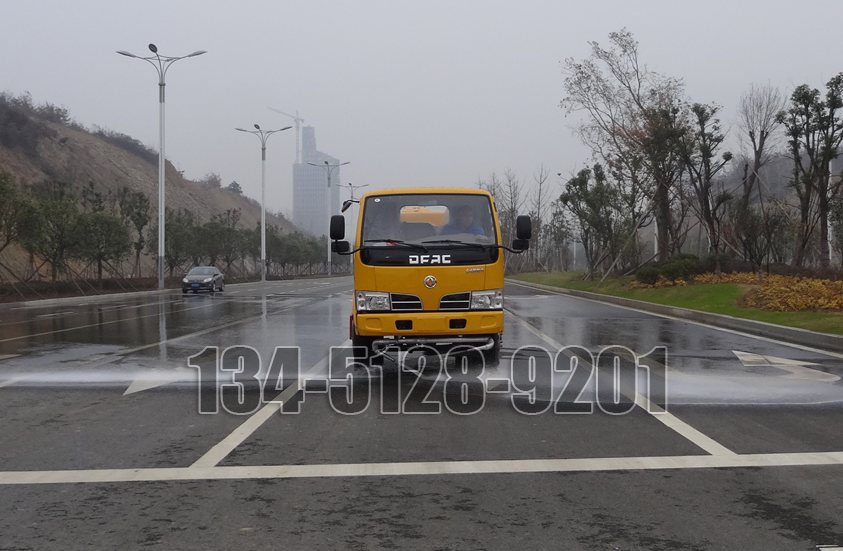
130	307
796	368
751	359
100	324
114	307
674	318
690	433
429	468
173	292
55	314
116	355
227	445
205	304
11	381
159	377
667	419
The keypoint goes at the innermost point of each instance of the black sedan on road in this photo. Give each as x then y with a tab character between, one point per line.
203	278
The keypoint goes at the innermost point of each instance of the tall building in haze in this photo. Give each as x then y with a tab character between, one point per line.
310	186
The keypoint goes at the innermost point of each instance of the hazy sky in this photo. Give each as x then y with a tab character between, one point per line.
412	93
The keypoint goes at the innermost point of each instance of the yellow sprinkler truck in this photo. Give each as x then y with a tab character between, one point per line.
428	269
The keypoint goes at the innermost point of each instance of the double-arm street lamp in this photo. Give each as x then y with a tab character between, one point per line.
263	135
351	187
162	64
329	169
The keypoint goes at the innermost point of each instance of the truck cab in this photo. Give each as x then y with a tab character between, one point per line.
428	269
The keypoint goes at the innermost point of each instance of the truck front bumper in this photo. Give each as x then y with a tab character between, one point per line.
429	324
443	342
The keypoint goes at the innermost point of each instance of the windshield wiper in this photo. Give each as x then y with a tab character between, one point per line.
457	242
398	242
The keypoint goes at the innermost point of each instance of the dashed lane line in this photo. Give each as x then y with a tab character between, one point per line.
99	324
116	355
109	310
428	468
55	314
205	304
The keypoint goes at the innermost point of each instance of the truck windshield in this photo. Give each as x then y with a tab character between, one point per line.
428	217
396	227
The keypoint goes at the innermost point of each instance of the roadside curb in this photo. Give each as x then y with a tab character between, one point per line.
823	341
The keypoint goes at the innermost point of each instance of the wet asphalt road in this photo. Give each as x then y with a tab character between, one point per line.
103	389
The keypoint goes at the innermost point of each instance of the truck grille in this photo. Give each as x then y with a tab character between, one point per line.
457	301
405	303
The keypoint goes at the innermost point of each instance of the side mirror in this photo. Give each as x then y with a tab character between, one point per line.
523	227
337	227
340	247
345	205
520	245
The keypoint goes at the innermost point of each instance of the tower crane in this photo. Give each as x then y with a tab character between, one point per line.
298	121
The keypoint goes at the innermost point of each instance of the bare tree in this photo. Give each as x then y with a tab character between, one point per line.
634	121
758	123
511	201
538	213
750	222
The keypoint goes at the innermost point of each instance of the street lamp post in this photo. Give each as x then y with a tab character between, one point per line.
161	63
329	169
263	136
352	187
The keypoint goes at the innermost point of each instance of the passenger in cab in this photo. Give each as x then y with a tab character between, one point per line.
463	222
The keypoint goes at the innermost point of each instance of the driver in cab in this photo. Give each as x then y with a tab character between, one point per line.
463	222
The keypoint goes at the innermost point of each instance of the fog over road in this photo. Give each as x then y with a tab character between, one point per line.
102	444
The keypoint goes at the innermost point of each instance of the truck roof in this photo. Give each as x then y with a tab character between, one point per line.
415	190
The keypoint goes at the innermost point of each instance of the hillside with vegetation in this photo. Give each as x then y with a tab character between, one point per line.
80	204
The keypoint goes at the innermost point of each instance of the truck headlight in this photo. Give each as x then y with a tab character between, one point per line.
487	300
371	301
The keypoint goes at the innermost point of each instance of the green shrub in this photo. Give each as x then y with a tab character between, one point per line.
647	274
683	266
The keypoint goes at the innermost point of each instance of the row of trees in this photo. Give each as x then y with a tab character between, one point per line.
660	159
76	231
223	242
